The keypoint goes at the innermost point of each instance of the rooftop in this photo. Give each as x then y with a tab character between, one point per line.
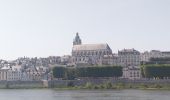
90	47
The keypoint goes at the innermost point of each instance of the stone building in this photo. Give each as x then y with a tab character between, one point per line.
166	54
3	74
129	57
92	54
145	57
111	60
12	73
132	72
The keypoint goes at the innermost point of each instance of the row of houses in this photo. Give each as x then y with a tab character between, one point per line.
18	73
25	68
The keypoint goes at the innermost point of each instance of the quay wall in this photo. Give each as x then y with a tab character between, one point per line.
21	84
60	83
64	83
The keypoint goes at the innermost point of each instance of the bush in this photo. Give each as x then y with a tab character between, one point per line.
89	85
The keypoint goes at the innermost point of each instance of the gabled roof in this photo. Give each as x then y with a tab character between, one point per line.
85	47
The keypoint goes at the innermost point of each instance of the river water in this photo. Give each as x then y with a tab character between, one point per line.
50	94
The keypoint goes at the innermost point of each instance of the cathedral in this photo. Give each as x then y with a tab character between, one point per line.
89	54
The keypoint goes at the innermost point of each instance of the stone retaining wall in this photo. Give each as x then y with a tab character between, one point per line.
21	84
64	83
60	83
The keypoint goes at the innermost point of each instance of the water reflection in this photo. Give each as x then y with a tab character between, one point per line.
47	94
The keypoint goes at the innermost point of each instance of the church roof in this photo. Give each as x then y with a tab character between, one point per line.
90	47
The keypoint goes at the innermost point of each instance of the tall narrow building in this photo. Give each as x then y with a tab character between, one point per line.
77	40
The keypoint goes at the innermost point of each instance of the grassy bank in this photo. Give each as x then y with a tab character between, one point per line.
109	85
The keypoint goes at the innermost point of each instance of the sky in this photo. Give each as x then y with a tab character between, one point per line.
42	28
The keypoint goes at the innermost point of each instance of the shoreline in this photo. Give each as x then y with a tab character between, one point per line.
86	85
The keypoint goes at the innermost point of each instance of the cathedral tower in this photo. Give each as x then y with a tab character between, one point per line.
77	40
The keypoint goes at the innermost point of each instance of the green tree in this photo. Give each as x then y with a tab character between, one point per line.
59	72
71	74
156	71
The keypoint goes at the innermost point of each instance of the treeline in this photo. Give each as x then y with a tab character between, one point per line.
72	73
155	71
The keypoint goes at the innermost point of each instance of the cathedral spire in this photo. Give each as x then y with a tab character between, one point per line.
77	40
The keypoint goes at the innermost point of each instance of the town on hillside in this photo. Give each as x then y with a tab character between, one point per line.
134	65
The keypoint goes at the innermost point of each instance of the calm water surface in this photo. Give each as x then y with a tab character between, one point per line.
47	94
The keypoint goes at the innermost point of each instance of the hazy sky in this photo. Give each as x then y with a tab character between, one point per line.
47	27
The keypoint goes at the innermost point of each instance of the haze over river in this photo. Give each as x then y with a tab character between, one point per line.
50	94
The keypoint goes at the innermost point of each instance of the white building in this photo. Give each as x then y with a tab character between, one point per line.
145	57
132	72
110	60
3	74
66	59
12	73
129	57
166	54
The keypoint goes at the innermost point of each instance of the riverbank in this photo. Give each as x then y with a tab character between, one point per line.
21	84
118	86
90	84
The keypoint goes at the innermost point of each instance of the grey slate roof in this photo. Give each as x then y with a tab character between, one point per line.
86	47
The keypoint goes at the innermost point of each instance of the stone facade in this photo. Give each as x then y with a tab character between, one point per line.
166	54
111	60
92	54
145	57
3	74
129	57
132	72
10	73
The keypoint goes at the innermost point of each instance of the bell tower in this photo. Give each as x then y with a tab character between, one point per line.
77	40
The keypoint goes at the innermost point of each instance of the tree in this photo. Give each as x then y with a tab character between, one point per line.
156	71
105	71
70	74
59	72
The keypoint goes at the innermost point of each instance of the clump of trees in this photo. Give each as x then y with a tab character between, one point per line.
155	71
95	71
59	72
115	71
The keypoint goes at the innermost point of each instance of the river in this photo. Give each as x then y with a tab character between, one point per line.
50	94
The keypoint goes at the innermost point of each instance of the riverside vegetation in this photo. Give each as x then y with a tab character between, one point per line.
148	71
70	73
109	85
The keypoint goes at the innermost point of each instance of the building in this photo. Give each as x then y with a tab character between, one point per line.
13	73
92	54
166	54
129	57
3	74
132	72
145	57
66	60
111	60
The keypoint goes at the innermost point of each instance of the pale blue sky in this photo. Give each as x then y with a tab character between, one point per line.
47	27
